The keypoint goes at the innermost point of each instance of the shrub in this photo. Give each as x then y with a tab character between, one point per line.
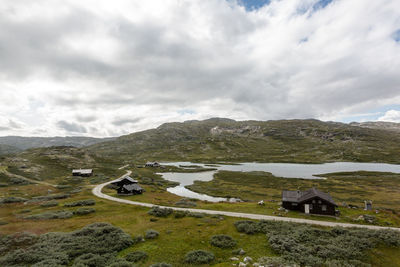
8	200
275	262
85	202
122	263
151	234
160	212
61	214
196	214
19	181
186	203
138	239
222	241
199	257
136	256
310	246
180	214
49	204
84	211
91	242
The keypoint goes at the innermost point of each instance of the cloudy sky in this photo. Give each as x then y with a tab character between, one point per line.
107	68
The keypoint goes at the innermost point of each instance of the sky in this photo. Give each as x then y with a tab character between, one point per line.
107	68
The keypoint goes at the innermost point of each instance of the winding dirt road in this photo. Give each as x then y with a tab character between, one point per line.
97	192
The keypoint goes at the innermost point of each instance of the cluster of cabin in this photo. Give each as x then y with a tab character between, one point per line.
127	186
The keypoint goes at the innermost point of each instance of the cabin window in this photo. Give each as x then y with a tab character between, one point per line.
323	207
313	201
310	206
294	204
319	202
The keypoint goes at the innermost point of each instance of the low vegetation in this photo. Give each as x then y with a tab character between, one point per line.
151	234
160	212
85	202
61	214
311	246
136	256
199	257
223	241
93	245
84	211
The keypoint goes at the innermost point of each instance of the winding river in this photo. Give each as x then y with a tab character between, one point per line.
285	170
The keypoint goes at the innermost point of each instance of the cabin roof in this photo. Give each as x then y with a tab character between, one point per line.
291	196
132	187
82	171
302	196
130	179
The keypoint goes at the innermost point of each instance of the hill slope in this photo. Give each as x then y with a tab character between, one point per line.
23	143
267	141
6	149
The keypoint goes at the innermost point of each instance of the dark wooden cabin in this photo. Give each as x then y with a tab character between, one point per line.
124	181
311	201
127	186
130	189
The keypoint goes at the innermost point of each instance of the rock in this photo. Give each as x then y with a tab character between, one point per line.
281	209
256	264
247	259
241	264
242	252
234	259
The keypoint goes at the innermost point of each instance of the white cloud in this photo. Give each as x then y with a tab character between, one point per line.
391	115
106	68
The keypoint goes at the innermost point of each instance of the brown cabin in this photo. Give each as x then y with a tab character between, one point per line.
311	201
124	181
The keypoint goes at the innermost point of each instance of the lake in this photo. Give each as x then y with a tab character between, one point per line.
285	170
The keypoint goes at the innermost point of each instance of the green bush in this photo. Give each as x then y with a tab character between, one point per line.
49	204
84	211
199	257
136	256
310	246
196	214
61	214
91	242
186	203
151	234
8	200
179	214
93	260
85	202
160	212
50	197
222	241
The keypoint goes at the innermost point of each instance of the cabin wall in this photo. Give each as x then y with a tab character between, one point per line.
290	205
317	204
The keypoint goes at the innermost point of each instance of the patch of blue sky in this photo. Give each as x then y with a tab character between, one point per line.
321	4
371	115
251	5
396	36
186	111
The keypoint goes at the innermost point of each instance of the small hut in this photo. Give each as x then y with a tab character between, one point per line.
152	164
82	172
130	189
368	205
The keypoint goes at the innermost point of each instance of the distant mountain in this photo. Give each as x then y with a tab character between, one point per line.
6	149
22	143
383	125
267	141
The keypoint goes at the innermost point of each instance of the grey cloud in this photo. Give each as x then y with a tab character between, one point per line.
71	127
82	118
2	128
121	122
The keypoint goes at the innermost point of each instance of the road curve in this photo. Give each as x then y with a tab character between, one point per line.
97	192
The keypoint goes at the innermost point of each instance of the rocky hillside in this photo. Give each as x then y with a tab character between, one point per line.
22	143
267	141
383	125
